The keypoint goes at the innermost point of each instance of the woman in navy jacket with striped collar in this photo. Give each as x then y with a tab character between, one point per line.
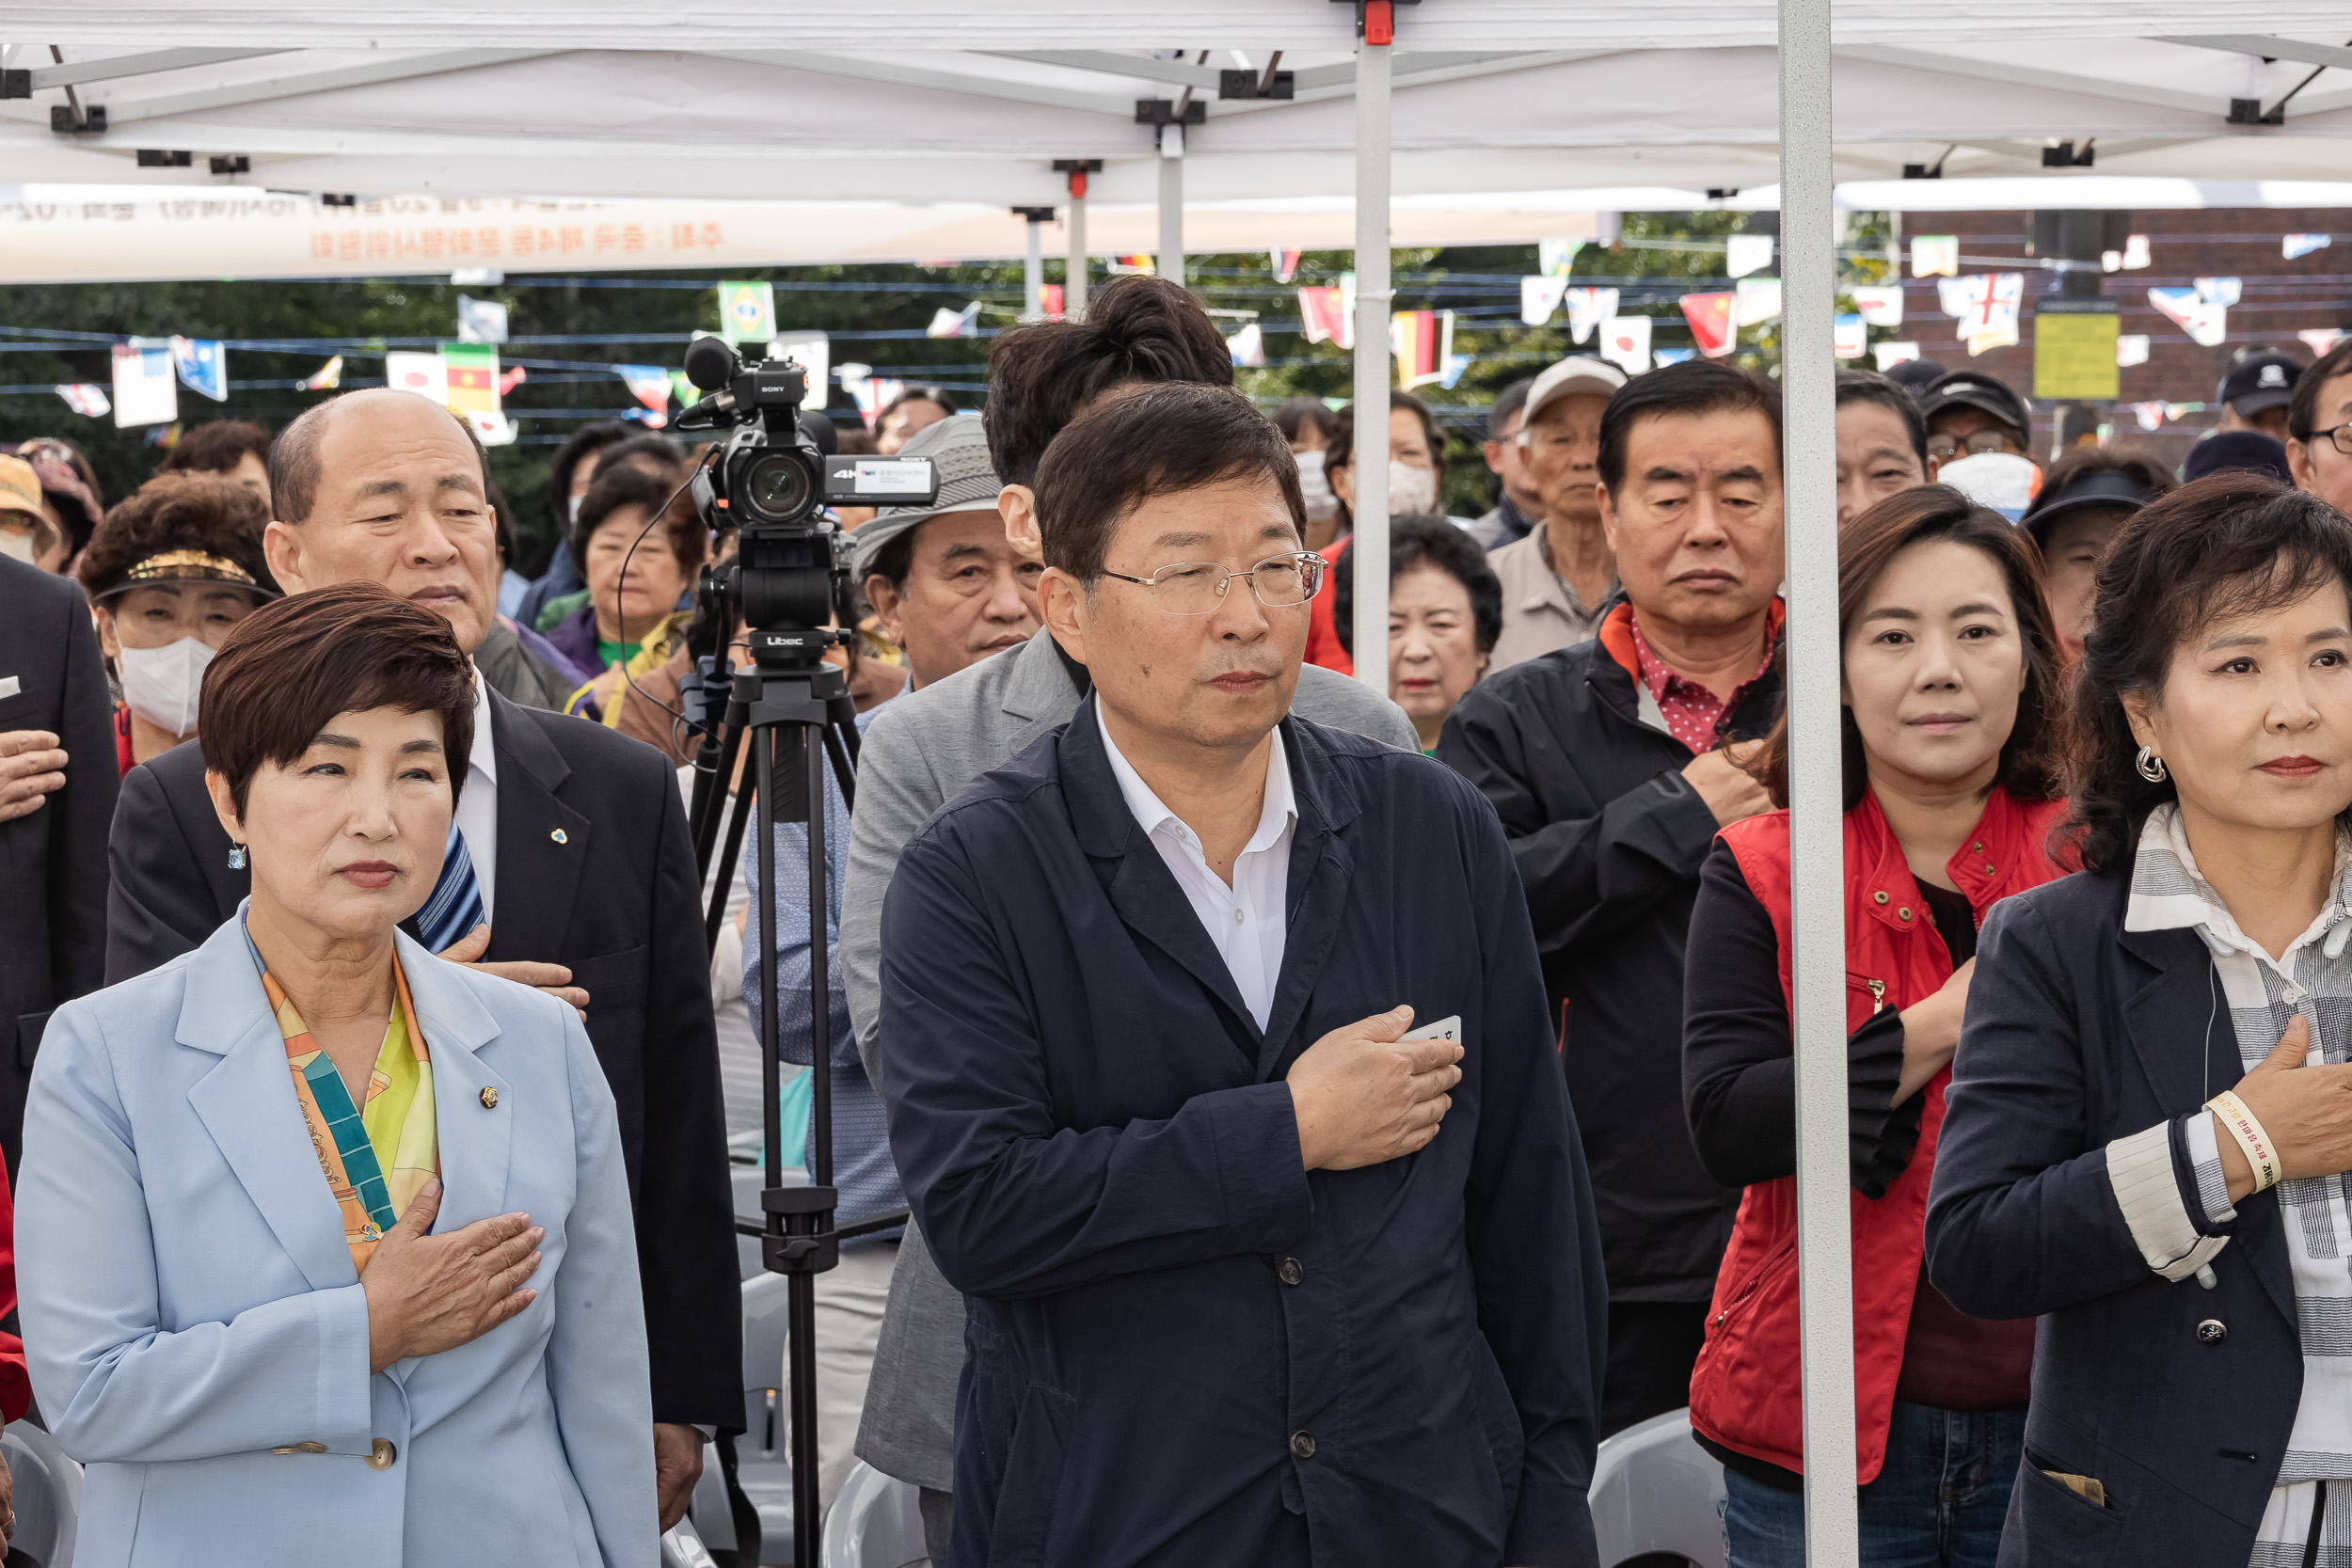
2150	1116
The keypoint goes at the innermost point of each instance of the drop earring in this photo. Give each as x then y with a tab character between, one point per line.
2149	765
236	857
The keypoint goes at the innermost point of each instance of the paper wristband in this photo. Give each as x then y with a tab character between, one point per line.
2261	1152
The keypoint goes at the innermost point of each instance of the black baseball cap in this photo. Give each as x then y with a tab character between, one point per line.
2264	379
1915	375
2238	449
1975	389
2100	488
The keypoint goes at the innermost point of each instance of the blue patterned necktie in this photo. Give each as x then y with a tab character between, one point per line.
455	907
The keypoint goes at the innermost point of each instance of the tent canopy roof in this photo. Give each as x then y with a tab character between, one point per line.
1494	99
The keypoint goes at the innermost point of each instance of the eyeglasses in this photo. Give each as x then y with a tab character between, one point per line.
2340	436
1197	587
1943	448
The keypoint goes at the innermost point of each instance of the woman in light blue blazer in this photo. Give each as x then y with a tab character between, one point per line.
325	1243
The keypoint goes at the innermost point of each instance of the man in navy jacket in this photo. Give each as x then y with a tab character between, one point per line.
1249	1278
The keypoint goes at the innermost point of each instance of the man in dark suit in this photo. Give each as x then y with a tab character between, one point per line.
1233	1296
568	867
58	786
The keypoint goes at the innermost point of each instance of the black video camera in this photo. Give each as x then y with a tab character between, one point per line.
771	481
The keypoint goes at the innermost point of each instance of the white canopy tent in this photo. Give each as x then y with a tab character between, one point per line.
919	103
939	102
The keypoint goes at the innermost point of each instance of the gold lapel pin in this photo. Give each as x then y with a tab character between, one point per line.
560	836
489	1099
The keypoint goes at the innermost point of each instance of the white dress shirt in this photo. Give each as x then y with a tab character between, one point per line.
478	803
1245	919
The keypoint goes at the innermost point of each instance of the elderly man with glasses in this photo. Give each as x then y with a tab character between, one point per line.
1255	1269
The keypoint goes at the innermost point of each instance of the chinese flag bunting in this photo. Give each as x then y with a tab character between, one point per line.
1710	316
1326	317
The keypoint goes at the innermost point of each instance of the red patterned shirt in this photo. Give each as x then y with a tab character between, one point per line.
1692	712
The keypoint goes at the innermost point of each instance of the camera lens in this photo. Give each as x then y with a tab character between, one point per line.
776	487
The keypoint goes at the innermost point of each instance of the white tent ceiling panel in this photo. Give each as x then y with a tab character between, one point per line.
1052	25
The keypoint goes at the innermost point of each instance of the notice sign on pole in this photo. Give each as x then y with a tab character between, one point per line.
2073	349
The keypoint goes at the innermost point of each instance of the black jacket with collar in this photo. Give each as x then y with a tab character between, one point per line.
53	928
2078	1033
1609	839
596	871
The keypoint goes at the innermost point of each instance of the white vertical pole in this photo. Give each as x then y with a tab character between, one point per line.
1370	463
1816	829
1073	289
1033	275
1172	202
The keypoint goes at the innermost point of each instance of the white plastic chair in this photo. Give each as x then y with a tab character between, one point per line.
876	1523
48	1497
763	1465
682	1548
1656	1490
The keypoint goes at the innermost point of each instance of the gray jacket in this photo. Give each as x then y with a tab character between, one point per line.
517	674
921	750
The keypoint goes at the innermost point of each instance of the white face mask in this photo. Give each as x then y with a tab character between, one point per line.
162	685
1315	486
573	504
19	547
1411	489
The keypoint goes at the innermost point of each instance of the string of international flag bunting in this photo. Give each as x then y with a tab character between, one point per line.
466	375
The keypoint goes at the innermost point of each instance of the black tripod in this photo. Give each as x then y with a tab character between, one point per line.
797	712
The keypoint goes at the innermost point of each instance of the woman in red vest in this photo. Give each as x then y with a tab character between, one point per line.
1951	691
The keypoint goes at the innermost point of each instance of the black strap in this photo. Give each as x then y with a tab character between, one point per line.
2319	1520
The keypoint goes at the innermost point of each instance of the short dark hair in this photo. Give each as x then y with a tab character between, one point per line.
896	558
669	509
645	450
1870	386
196	510
2303	409
1298	413
939	395
1866	546
2234	543
286	669
1161	441
294	462
1136	329
588	439
216	447
1691	386
1508	402
1417	539
1338	450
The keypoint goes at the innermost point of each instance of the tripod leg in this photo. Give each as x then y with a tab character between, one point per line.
739	817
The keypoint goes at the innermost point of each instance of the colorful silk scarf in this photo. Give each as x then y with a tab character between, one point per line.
375	1159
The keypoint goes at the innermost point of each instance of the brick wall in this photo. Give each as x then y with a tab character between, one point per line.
2281	297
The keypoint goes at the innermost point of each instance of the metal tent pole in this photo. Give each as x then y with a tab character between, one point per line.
1073	298
1815	825
1370	463
1172	202
1033	268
